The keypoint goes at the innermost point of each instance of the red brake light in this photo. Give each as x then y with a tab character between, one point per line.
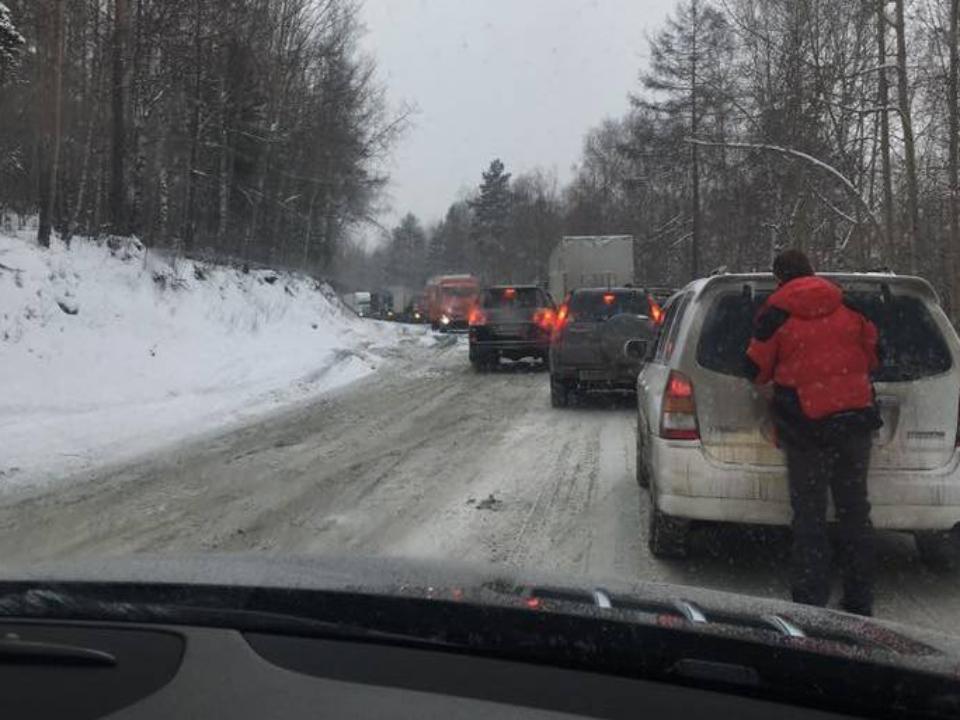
679	387
544	318
656	312
562	318
510	293
678	420
609	298
476	317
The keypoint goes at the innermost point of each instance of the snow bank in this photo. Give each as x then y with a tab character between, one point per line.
107	351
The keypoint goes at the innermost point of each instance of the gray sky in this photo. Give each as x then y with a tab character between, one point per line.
522	80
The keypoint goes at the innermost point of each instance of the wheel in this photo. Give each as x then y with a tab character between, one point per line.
667	536
559	393
643	476
940	551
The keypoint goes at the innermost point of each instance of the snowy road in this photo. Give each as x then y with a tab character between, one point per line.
425	459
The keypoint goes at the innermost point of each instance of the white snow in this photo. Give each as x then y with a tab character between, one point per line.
108	352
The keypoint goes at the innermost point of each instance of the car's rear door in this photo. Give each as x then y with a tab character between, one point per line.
510	311
580	343
917	384
733	415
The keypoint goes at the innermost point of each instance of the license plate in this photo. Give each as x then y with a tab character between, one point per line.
594	375
508	330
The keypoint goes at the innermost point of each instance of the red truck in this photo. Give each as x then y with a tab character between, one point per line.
450	298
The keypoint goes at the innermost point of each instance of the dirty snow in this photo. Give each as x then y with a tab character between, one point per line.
107	351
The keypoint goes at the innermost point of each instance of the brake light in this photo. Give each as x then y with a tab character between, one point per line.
678	419
476	317
561	319
510	293
656	312
544	318
609	298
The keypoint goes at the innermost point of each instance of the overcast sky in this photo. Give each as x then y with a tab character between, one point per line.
521	80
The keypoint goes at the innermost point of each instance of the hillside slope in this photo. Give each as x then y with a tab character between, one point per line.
107	350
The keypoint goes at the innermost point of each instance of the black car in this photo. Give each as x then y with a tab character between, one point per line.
511	321
590	331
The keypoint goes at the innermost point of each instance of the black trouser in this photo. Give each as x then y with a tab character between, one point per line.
840	464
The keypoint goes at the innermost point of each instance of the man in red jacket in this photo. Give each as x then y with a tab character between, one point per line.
819	350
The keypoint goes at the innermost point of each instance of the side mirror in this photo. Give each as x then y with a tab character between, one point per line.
635	350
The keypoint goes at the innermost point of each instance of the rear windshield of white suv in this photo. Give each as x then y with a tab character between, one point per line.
911	344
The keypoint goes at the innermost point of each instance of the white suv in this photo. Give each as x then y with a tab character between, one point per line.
705	442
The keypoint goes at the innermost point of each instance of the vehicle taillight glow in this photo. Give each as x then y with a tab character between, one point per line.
510	293
678	420
562	318
477	317
545	318
656	312
609	298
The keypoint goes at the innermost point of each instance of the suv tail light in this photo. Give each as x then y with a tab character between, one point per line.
678	420
544	318
563	317
476	317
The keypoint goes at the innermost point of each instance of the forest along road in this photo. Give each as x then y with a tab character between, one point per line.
425	458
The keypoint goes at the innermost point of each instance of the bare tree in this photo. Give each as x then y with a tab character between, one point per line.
50	34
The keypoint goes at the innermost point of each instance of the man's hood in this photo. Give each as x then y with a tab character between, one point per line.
807	297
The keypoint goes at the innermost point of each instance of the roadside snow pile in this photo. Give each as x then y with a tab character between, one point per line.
107	350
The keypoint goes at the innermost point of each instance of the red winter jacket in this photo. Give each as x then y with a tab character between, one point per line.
808	340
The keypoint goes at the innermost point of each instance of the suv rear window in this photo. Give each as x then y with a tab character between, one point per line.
592	306
911	344
519	297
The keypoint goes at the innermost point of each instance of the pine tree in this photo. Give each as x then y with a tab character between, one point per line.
491	211
683	57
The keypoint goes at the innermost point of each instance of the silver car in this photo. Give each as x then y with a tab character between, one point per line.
706	447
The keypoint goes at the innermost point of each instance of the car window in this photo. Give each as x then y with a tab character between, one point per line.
459	291
514	297
599	306
911	345
727	329
675	311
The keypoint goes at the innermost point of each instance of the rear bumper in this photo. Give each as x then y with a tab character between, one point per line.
482	339
615	378
689	485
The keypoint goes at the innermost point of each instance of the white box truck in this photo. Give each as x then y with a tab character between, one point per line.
585	261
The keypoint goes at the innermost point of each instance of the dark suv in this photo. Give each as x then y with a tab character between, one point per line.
511	321
590	331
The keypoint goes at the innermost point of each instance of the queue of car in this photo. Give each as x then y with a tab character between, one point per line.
707	451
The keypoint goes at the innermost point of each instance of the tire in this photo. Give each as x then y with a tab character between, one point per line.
643	477
559	393
939	551
667	536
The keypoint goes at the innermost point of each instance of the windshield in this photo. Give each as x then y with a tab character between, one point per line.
601	305
513	297
259	261
911	345
459	291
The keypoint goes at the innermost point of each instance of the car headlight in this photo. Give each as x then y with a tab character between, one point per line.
444	320
416	316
